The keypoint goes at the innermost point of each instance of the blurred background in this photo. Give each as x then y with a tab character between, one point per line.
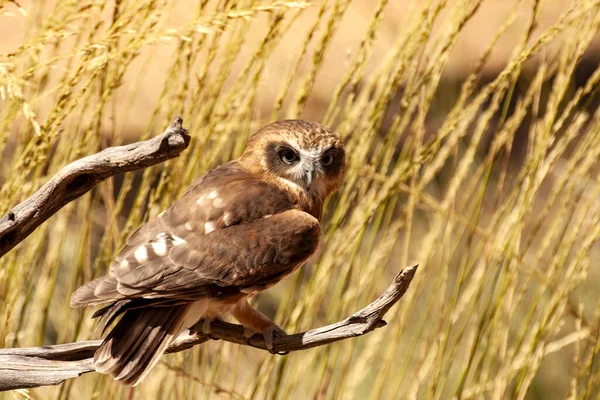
473	138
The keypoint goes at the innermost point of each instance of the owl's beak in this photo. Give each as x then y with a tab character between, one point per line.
308	175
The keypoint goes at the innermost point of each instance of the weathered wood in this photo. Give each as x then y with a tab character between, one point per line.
51	365
80	176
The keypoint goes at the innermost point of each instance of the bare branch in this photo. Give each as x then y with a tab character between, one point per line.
80	176
51	365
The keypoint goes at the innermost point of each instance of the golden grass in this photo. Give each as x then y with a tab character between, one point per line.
499	203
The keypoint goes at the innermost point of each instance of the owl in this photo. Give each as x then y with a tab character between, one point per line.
237	230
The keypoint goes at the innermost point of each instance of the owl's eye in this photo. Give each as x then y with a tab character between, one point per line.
288	156
327	160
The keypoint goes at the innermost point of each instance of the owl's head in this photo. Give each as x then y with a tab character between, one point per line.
303	155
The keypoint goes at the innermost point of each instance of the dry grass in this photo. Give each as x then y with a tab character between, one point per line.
499	203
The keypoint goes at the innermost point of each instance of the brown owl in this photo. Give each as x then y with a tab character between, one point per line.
238	229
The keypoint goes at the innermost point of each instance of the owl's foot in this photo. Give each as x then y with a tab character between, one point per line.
268	334
248	333
206	331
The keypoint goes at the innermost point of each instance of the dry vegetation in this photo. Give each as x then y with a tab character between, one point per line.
495	192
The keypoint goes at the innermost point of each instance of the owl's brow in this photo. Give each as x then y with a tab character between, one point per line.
313	152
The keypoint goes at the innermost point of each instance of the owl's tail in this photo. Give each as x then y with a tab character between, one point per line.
138	340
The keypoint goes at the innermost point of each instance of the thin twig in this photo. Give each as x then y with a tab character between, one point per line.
51	365
80	176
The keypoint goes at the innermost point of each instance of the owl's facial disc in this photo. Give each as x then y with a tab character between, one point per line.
305	168
299	166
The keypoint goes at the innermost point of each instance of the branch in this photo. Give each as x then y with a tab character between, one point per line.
80	176
50	365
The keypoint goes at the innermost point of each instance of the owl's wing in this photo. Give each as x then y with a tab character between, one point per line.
225	196
230	233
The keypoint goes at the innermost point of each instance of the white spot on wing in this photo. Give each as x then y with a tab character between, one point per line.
213	194
209	227
141	254
177	240
124	263
268	216
218	202
227	218
201	200
189	226
160	248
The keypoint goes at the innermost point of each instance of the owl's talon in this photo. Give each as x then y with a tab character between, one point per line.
206	331
269	334
248	333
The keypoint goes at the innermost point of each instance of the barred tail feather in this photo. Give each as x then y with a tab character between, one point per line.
137	341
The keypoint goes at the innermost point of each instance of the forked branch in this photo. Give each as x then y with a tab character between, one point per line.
80	176
50	365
